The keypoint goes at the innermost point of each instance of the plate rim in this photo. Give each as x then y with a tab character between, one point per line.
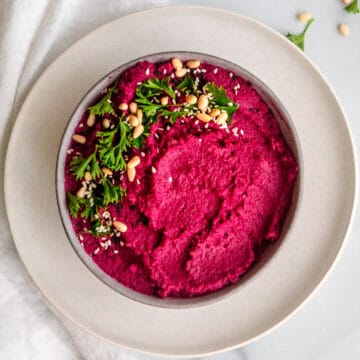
349	222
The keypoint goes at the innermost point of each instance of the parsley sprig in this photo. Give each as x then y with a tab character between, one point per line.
219	100
79	165
299	40
104	105
111	152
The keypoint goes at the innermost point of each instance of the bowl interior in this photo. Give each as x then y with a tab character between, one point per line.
288	131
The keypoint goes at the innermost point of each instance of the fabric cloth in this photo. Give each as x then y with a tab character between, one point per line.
33	33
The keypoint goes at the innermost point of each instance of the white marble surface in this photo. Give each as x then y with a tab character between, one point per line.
32	34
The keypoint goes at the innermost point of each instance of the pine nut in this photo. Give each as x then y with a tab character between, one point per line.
344	30
133	107
180	73
221	119
193	64
139	115
138	131
346	2
81	192
203	117
90	120
304	16
80	139
87	176
214	112
123	106
133	120
131	173
176	63
106	123
106	171
191	99
164	100
203	103
133	162
120	226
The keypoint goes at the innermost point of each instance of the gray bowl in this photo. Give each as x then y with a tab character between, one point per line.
289	133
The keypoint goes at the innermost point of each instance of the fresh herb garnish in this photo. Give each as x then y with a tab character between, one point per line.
220	100
104	105
79	165
299	40
187	85
353	7
114	144
75	204
112	193
156	86
112	155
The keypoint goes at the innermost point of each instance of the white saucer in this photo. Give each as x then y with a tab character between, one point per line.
313	241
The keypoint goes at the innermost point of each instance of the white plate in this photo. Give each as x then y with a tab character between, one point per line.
313	241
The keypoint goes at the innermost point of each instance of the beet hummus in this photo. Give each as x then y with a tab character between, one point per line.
177	178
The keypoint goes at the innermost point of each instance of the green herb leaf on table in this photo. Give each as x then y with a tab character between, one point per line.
353	7
299	40
104	105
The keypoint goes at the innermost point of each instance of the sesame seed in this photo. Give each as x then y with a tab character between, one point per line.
96	251
164	72
147	72
215	70
116	251
142	154
153	170
231	74
206	125
156	136
70	151
138	181
170	179
109	101
121	243
196	122
172	75
138	83
167	127
81	237
203	71
121	177
200	140
81	125
242	132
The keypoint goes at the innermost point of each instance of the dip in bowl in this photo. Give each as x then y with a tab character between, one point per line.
175	174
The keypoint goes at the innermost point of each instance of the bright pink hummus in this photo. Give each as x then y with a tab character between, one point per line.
207	200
